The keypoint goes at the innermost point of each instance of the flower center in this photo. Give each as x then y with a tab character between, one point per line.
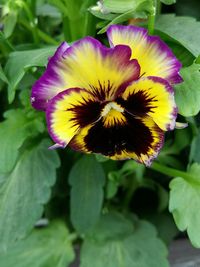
111	106
113	115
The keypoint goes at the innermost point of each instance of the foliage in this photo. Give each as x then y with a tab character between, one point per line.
115	213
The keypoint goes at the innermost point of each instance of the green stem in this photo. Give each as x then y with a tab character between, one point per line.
43	36
61	6
151	19
6	43
158	7
66	29
169	171
33	26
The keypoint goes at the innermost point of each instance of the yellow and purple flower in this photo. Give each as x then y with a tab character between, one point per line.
115	101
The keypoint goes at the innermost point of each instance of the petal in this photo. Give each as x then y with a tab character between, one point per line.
90	65
153	55
151	96
139	139
68	112
50	82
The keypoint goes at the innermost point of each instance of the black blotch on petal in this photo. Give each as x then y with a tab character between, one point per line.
138	103
132	137
86	113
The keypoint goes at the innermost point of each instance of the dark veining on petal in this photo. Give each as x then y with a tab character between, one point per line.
134	136
103	91
139	103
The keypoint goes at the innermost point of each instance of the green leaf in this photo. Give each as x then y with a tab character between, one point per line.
122	6
24	192
87	179
13	132
97	13
140	10
9	22
197	61
3	76
168	2
47	10
19	62
183	55
101	158
117	242
187	93
195	151
185	202
188	36
50	246
165	226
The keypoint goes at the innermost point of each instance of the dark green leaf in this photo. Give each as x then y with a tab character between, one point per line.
46	247
19	62
183	55
187	93
195	149
3	76
163	197
165	225
117	242
185	202
13	132
188	36
24	192
87	179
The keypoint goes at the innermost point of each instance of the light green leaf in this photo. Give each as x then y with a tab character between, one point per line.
141	9
9	22
47	10
187	93
19	62
13	132
168	2
24	192
122	6
197	61
185	202
46	247
101	158
188	36
87	179
117	242
97	13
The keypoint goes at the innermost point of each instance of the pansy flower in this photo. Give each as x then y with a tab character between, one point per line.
115	101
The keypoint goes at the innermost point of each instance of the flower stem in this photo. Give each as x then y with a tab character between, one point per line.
169	171
32	22
151	19
43	36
